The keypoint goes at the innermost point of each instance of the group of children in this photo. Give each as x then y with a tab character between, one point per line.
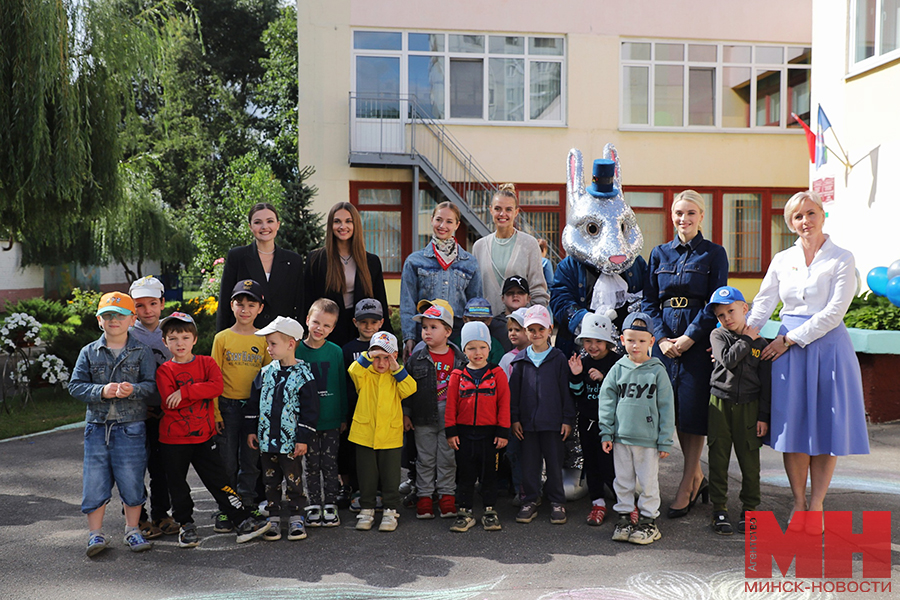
266	416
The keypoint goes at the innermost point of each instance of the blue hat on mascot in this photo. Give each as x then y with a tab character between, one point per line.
603	179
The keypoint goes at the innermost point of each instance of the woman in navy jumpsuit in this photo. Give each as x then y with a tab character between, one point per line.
680	279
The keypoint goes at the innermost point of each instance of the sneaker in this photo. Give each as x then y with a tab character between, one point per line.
96	544
597	514
187	536
330	517
635	516
389	520
354	502
149	530
313	515
490	521
410	500
296	528
365	519
720	523
623	529
464	521
646	532
407	487
527	513
136	542
425	508
742	523
447	504
168	526
252	527
261	510
517	500
274	532
557	514
223	524
343	497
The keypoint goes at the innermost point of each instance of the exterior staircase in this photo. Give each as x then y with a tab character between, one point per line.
395	131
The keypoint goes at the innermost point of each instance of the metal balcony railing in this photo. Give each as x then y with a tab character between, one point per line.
396	125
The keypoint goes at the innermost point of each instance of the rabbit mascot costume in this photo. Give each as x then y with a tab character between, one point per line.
603	271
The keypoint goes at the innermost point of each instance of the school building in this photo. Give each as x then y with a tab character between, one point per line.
405	103
857	76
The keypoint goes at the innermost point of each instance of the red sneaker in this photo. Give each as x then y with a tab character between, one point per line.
447	504
424	508
597	515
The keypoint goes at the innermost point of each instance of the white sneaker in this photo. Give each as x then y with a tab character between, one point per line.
365	519
330	517
389	520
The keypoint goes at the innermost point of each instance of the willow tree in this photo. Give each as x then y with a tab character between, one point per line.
69	73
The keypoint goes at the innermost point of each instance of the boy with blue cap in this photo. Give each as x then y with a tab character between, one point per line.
739	405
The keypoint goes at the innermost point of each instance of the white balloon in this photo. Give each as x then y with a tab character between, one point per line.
894	270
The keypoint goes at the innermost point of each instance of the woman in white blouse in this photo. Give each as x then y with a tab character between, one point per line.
509	252
818	412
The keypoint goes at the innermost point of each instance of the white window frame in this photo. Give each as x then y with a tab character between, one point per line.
856	67
719	65
404	53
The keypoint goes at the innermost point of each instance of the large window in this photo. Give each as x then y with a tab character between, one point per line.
874	32
747	222
461	76
713	86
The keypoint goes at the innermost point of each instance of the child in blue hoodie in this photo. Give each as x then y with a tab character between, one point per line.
542	413
637	412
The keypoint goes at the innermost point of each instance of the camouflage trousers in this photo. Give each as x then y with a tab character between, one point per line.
275	469
322	467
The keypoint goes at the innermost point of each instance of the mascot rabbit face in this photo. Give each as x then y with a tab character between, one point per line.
601	229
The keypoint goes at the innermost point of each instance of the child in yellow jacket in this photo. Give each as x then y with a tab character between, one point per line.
377	429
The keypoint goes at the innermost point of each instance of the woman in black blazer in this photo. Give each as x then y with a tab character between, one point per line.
330	271
279	271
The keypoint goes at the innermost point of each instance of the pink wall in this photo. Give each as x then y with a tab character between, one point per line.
761	20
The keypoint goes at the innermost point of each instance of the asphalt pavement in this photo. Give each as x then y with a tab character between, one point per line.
43	537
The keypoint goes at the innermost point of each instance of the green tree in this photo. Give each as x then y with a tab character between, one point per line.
68	72
277	96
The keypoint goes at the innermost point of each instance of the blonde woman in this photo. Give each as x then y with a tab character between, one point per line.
681	277
509	252
818	412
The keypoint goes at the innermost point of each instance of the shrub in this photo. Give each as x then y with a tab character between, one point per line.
872	312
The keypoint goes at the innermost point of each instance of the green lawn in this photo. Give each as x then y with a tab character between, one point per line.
49	408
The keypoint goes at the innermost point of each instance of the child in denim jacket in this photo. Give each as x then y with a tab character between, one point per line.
113	376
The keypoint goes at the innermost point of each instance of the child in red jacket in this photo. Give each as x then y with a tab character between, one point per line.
477	426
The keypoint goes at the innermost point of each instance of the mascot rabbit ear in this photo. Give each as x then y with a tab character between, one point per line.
610	152
574	177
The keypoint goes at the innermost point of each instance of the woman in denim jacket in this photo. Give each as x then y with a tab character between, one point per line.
442	270
681	277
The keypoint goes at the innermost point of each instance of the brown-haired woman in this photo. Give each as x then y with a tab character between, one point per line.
509	252
344	272
279	271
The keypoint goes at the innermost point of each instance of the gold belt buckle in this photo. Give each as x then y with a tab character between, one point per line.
678	302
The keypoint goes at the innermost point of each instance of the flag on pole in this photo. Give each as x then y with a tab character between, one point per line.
822	126
810	137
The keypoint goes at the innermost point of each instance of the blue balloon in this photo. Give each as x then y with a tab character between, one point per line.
893	291
877	280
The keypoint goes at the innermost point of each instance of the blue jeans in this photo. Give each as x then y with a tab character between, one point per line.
240	460
114	453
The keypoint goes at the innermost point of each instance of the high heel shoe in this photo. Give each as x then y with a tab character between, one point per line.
702	492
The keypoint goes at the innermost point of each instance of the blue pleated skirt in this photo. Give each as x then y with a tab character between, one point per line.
817	396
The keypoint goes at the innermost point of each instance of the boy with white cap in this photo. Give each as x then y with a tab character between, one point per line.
588	368
477	421
281	418
542	413
148	294
377	429
188	385
423	411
